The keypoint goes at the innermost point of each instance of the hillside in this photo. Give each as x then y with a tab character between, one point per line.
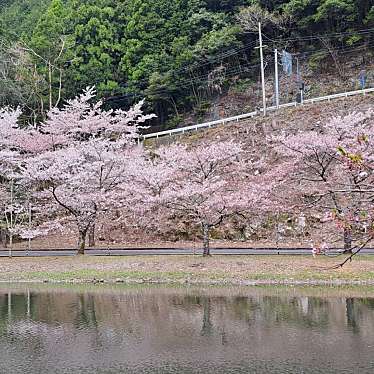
245	96
253	134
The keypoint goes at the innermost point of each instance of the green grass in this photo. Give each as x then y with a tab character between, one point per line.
98	275
314	276
181	276
179	269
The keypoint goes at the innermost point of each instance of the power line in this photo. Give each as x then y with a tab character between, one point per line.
187	83
345	49
194	66
321	36
204	79
246	67
230	53
248	46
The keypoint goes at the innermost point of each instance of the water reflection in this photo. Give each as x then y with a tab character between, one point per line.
160	330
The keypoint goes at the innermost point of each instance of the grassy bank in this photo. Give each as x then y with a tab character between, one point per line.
189	269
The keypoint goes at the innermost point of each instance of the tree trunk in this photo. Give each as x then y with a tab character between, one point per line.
91	236
3	238
347	240
206	246
82	242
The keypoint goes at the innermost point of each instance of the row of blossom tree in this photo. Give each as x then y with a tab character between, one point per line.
86	163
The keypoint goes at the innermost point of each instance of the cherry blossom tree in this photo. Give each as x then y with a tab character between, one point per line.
10	157
205	184
333	173
81	156
16	144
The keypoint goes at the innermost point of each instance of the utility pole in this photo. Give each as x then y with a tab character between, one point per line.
300	84
262	70
276	78
297	70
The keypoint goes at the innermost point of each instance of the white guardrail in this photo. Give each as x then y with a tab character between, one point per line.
223	121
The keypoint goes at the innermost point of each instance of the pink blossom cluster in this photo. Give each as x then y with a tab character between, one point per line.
333	172
76	159
84	162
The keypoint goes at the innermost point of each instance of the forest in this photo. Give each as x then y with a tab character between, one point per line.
178	55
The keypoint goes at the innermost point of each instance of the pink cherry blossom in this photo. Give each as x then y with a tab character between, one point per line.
80	157
206	185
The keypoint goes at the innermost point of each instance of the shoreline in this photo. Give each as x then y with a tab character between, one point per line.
187	282
173	289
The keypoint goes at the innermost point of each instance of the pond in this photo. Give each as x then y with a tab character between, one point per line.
123	329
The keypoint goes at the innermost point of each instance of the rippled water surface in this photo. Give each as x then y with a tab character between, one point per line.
181	330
